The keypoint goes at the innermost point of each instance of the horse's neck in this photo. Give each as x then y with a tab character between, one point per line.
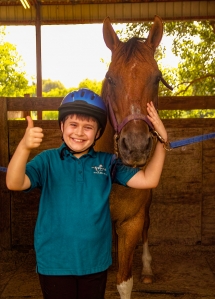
106	143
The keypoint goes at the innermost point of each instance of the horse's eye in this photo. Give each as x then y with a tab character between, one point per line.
110	81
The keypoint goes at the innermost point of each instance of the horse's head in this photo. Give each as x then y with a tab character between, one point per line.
131	82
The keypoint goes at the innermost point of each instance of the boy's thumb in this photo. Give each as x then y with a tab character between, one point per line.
30	122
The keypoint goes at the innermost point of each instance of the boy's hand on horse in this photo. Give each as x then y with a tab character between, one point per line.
156	121
33	135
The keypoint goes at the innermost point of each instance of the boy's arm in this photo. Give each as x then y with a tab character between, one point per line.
16	179
150	176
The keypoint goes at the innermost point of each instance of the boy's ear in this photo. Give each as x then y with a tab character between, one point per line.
61	126
98	133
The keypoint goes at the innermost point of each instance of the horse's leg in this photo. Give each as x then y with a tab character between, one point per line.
146	275
128	236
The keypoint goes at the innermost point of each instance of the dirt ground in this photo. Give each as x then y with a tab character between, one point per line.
184	272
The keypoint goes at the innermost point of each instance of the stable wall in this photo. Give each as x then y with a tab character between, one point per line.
183	205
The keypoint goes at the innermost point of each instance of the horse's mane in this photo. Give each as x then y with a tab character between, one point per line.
133	47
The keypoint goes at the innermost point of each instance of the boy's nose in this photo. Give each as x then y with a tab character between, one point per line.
79	131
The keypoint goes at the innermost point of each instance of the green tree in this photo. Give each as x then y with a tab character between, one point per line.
13	80
86	83
48	85
92	85
193	43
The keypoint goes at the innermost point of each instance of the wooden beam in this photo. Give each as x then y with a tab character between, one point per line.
5	200
38	56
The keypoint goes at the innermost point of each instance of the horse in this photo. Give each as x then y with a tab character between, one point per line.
132	80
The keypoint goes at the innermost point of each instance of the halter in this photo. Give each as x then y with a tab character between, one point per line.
137	116
118	127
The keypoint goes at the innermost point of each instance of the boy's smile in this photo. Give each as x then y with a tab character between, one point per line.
79	133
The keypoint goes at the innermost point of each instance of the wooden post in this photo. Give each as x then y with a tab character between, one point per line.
38	56
26	113
5	200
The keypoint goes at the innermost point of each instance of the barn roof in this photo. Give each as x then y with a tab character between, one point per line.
94	11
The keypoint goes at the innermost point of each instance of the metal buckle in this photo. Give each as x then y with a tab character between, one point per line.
166	144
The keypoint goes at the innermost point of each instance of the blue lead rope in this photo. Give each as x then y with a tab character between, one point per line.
3	169
190	140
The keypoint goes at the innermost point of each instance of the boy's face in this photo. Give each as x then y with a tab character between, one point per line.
79	133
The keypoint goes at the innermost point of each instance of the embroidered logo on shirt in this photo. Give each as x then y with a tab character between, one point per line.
99	169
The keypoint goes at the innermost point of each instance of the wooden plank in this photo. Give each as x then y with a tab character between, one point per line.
24	207
22	124
34	104
186	103
208	192
176	205
5	229
165	103
169	123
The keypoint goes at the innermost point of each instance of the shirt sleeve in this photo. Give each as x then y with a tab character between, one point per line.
35	170
123	173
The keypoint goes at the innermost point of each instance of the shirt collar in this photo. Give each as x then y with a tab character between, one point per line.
63	151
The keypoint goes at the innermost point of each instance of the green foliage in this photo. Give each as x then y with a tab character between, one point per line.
92	85
13	80
48	85
50	115
62	92
193	43
197	113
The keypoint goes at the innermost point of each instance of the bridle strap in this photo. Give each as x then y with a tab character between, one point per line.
118	127
134	117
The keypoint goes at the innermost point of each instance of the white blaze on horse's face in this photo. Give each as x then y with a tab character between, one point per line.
134	110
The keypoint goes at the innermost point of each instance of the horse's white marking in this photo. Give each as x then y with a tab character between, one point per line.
134	110
125	288
146	259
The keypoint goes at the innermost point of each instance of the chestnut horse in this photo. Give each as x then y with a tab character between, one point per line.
131	81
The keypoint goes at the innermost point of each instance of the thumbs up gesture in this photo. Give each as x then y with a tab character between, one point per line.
33	135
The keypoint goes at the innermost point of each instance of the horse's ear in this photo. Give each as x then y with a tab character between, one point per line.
155	33
110	37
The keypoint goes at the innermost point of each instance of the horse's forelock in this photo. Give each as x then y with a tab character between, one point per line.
132	48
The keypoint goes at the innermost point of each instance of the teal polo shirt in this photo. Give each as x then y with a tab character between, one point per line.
73	228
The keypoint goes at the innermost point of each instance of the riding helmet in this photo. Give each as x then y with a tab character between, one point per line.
86	102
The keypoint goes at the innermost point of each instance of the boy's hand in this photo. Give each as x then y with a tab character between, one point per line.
33	135
156	121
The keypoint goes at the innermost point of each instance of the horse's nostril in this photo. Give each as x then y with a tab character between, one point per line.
124	144
149	144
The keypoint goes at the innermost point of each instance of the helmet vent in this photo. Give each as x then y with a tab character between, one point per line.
82	93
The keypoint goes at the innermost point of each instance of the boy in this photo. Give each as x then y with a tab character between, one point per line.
73	230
